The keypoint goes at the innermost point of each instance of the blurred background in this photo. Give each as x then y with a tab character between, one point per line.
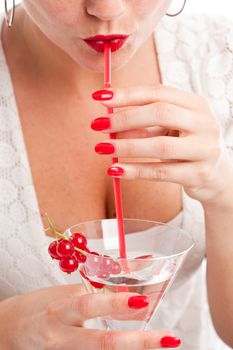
223	7
216	7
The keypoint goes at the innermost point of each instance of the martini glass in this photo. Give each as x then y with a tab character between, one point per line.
155	252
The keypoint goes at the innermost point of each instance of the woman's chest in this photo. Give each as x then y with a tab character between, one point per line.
72	185
70	179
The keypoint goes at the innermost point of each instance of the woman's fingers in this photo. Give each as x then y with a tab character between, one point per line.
184	173
161	147
156	114
89	339
74	311
141	95
68	315
142	133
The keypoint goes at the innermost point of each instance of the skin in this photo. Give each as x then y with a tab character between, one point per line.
41	71
53	319
60	61
66	25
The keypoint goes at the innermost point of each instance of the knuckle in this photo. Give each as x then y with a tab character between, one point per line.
140	173
160	173
204	172
212	151
123	120
165	148
82	305
52	310
108	341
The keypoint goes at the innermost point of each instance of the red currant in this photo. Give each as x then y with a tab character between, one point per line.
95	260
95	253
97	284
78	240
103	274
94	284
80	257
115	268
52	249
93	263
90	270
65	248
107	263
144	257
69	264
83	275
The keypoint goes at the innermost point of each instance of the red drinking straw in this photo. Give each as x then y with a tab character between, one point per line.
116	182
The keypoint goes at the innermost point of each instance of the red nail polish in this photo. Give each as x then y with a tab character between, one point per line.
99	124
170	342
115	171
138	302
102	95
104	148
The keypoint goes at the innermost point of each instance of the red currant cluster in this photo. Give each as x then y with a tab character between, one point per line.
73	251
101	266
70	252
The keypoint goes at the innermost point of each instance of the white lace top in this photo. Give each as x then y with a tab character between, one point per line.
195	53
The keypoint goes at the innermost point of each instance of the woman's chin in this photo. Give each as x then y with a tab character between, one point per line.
99	67
95	61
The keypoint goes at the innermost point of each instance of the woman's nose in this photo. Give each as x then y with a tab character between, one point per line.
106	10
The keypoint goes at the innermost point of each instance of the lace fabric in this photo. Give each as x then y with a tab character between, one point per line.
195	54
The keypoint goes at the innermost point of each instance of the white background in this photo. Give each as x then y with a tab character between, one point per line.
223	7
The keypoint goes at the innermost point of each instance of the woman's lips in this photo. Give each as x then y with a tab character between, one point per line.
116	41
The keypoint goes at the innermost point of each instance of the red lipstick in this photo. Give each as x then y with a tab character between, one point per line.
116	41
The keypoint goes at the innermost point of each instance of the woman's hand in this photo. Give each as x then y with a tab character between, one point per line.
148	129
52	318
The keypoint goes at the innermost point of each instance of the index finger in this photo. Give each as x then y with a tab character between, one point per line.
141	95
78	309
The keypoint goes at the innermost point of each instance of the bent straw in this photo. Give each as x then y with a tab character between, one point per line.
116	182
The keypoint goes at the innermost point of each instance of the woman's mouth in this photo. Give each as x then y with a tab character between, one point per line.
116	41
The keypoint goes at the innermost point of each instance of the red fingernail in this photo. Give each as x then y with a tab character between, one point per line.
104	148
170	342
102	95
115	171
99	124
138	302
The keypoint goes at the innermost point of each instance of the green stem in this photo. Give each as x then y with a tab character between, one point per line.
58	234
81	251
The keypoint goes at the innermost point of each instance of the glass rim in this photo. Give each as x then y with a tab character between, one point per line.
159	223
156	258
